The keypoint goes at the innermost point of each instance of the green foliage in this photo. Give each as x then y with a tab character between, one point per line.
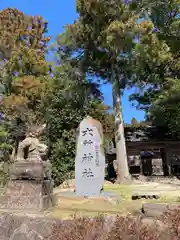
24	70
4	146
158	81
5	143
20	31
104	39
5	149
165	109
134	122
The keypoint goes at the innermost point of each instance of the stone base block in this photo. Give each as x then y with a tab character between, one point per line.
28	170
28	195
68	195
158	209
26	226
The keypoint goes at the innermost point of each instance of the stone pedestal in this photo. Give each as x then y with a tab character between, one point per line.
28	195
30	187
30	170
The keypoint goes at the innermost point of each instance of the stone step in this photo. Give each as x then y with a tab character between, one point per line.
157	209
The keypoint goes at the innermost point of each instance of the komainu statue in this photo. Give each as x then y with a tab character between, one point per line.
31	159
30	186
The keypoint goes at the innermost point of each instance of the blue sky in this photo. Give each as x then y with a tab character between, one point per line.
58	13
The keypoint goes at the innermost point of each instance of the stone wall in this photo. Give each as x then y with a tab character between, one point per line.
25	227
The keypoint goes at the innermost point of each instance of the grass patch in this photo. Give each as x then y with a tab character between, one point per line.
90	207
94	207
124	191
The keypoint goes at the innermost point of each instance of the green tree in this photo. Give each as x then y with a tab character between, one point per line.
165	109
24	71
20	32
159	80
104	40
134	122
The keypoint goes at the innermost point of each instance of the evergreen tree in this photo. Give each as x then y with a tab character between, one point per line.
105	40
159	80
24	70
134	122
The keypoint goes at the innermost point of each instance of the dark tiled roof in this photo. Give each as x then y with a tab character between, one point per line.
146	133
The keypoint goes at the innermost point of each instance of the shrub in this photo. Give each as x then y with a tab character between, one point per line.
123	228
119	228
171	219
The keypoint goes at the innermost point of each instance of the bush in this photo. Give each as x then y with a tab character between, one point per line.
119	228
99	229
172	220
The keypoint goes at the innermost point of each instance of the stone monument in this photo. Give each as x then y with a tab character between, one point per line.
90	159
30	186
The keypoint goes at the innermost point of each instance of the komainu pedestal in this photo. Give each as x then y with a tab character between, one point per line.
30	170
35	195
30	186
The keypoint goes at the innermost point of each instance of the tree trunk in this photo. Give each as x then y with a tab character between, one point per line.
121	155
